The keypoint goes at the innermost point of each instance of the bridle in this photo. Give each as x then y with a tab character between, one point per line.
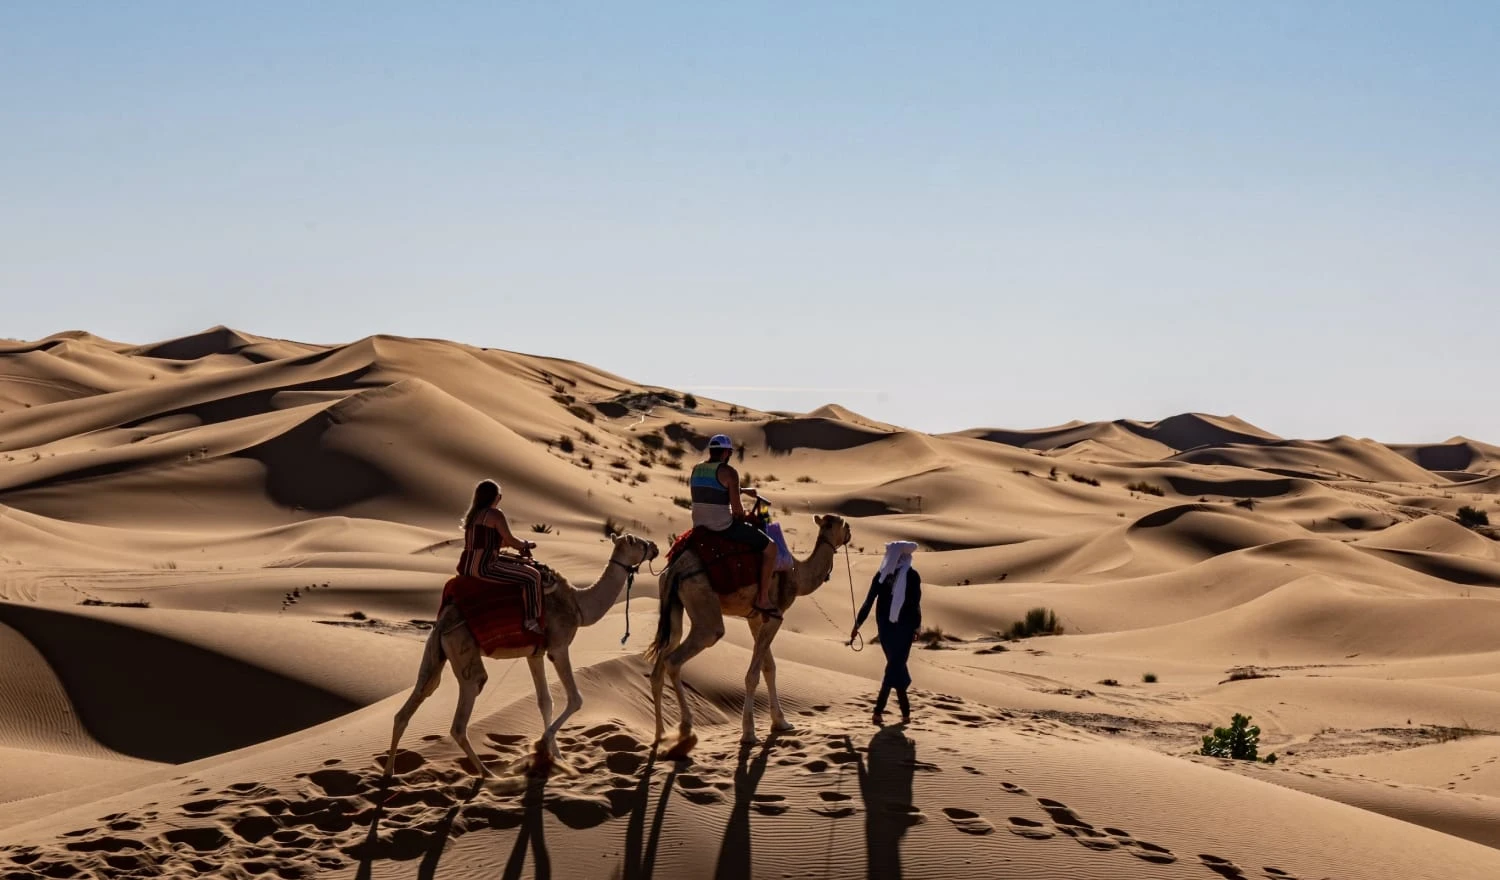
630	573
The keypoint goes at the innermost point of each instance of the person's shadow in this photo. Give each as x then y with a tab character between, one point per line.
885	784
734	852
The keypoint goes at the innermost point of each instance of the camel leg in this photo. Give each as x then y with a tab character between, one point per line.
468	665
702	607
429	676
779	724
543	692
564	666
659	668
767	632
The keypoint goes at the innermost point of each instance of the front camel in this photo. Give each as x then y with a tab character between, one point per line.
566	609
685	587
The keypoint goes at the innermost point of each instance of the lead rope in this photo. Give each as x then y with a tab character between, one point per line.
853	613
629	582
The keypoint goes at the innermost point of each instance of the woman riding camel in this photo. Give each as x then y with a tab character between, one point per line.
486	533
896	593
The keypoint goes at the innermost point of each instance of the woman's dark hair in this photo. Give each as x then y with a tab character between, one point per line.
484	495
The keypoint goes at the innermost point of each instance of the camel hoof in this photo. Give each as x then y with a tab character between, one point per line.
749	739
784	728
682	747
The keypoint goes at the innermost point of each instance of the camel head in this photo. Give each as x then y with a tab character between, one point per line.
833	530
631	551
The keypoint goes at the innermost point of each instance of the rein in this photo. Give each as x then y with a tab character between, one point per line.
630	571
853	612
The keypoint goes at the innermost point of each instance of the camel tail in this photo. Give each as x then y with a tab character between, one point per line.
671	608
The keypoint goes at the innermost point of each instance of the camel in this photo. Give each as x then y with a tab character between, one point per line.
566	608
684	586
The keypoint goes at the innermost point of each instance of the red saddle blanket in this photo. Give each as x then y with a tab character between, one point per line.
730	565
495	612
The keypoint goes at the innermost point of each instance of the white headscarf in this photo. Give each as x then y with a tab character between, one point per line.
898	560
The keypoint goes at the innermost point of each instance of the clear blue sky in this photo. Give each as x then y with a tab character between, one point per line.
944	215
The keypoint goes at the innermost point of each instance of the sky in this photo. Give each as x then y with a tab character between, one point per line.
940	215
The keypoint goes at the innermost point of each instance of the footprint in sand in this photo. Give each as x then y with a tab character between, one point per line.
1029	828
1279	874
1222	866
1150	852
768	804
968	821
1013	788
837	805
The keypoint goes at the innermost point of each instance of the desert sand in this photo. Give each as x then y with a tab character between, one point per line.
220	556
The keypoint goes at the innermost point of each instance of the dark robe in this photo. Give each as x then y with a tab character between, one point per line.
895	636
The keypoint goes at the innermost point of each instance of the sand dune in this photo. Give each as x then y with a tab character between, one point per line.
220	555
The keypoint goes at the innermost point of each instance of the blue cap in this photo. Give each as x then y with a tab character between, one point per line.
720	441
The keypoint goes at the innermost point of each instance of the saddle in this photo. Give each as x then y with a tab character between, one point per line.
729	565
494	609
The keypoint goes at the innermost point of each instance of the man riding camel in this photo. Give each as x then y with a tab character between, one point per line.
716	494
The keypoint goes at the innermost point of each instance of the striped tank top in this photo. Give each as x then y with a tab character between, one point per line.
481	549
711	508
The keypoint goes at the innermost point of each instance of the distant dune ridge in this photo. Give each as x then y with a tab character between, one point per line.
220	555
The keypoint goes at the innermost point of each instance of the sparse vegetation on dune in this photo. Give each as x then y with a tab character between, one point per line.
1037	622
541	528
1144	488
1079	478
1472	517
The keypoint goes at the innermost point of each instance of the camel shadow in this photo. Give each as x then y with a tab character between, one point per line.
640	851
532	836
885	785
735	851
440	831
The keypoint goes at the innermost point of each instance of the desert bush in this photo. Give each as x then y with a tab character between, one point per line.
1238	741
684	503
672	465
582	412
1110	682
357	615
1247	503
1025	472
931	637
620	464
1149	678
654	442
1145	488
642	477
1078	478
1245	673
541	528
806	479
586	462
564	399
588	438
565	443
689	401
1037	622
1472	517
612	528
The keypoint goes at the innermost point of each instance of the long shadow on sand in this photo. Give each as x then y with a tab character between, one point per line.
439	835
640	852
885	784
734	853
531	836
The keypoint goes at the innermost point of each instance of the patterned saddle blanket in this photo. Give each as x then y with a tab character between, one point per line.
730	565
495	610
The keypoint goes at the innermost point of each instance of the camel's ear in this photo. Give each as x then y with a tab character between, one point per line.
819	520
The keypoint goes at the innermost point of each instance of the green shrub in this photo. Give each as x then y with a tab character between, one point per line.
1472	517
1037	622
1145	489
1238	741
